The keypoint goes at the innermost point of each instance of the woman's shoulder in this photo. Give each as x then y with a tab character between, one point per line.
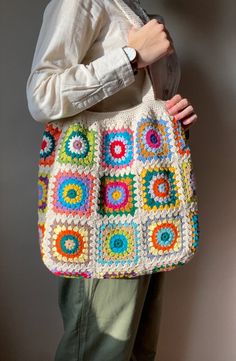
75	4
73	9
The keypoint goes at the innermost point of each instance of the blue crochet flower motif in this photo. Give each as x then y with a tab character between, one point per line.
118	243
73	193
117	148
165	237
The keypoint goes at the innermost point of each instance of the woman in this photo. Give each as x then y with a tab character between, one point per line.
89	55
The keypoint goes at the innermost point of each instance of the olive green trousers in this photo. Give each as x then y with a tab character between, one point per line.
110	319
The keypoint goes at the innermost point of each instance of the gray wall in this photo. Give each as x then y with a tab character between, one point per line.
30	324
199	318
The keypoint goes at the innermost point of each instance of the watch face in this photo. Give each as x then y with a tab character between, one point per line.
131	52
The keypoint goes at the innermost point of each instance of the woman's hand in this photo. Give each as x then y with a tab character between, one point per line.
152	41
182	110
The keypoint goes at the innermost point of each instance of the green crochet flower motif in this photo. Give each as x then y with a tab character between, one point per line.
78	146
160	188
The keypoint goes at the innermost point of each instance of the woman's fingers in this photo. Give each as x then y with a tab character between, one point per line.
182	110
178	106
184	113
190	120
187	123
173	101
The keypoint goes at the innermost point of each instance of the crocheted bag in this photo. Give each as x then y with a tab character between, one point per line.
116	193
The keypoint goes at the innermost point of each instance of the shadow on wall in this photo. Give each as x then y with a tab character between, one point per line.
186	288
202	14
183	284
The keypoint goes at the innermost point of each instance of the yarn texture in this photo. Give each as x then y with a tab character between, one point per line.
116	193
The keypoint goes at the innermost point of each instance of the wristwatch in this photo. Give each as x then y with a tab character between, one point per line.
133	57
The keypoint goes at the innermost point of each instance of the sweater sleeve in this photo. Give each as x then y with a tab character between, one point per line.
59	84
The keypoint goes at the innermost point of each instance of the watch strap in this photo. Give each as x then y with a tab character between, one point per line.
133	62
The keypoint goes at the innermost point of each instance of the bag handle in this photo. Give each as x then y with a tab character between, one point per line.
148	93
134	19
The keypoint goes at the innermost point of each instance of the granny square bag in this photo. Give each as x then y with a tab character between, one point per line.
116	193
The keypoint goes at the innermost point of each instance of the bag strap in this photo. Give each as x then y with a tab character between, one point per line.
148	91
